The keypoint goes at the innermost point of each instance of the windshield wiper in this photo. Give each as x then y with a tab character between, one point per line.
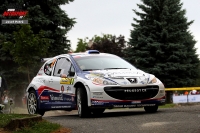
115	68
89	69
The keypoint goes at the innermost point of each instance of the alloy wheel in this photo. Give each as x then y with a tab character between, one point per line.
32	103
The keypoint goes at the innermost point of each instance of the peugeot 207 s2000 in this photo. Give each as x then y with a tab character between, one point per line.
95	81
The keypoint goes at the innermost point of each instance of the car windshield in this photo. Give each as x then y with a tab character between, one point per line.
99	62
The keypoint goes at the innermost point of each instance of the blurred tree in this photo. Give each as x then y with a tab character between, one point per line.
43	15
161	43
27	48
82	44
106	43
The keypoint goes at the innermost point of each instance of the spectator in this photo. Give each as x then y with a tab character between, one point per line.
194	92
186	93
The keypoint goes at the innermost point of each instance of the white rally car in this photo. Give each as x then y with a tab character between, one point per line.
95	81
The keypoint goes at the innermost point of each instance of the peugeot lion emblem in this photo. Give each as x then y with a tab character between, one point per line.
132	80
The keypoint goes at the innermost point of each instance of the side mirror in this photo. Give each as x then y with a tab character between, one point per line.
71	73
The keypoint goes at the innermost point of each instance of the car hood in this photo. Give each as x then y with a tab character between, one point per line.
123	76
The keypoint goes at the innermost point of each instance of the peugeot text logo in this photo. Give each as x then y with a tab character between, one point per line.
135	90
132	80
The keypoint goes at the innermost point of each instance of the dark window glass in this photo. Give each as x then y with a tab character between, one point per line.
102	62
48	67
62	66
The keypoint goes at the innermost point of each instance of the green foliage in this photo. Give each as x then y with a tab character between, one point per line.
81	46
27	48
6	118
48	21
49	17
161	43
40	127
106	43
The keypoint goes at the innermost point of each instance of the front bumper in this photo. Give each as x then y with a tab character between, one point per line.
126	103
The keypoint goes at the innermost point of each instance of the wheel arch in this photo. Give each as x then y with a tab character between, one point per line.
31	89
80	84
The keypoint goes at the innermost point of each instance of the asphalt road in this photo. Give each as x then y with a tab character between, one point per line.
185	119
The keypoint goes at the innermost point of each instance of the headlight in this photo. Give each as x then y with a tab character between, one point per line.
99	80
154	80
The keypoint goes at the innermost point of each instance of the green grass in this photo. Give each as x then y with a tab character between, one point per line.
169	105
40	127
5	118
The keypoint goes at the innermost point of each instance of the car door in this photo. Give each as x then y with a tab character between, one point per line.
48	70
47	83
64	86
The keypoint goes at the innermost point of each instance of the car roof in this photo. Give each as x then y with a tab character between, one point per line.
87	53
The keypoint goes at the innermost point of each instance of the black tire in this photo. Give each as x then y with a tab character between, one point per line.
82	103
151	109
0	97
32	104
98	111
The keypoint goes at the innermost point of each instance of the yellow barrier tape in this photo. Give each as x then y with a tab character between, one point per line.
182	89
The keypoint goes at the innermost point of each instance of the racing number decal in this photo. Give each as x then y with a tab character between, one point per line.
62	88
67	81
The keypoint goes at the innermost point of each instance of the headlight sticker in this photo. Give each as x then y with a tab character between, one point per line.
98	80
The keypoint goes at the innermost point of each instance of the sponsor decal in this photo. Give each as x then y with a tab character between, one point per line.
162	100
44	101
135	90
97	93
68	99
55	107
143	105
118	106
44	97
56	98
127	73
124	82
67	81
39	80
97	102
132	80
97	74
97	97
68	88
131	106
62	88
142	82
133	102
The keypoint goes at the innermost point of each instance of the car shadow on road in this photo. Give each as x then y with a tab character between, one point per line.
105	114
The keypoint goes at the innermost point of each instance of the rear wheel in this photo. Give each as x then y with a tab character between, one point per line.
151	109
83	109
32	104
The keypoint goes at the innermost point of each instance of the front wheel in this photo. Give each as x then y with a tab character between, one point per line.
32	104
83	109
151	109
